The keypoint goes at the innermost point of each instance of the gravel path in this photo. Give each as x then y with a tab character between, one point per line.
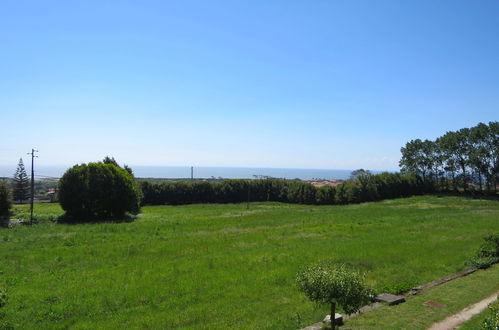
464	315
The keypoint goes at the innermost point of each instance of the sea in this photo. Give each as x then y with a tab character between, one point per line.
202	172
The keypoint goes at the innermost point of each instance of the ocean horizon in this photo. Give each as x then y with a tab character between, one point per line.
201	172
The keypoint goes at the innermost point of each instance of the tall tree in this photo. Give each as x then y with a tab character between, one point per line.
456	149
420	158
481	153
466	155
493	143
411	158
20	186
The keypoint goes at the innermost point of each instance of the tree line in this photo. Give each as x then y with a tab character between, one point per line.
362	187
464	159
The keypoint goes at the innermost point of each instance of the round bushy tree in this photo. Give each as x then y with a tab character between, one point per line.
5	200
98	191
329	283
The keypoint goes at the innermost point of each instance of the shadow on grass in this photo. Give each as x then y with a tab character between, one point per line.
467	195
67	220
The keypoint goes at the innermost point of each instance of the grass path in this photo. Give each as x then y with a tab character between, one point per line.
464	315
476	321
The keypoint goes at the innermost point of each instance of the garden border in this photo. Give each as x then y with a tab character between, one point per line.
411	292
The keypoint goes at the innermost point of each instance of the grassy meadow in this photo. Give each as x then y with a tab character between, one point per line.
219	266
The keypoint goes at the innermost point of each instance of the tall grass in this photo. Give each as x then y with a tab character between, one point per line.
217	266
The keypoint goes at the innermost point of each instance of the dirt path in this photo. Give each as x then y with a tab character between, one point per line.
453	321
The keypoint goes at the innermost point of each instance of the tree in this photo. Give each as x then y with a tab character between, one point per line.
422	158
98	191
366	181
20	184
466	155
481	153
329	283
110	160
493	144
415	159
456	149
5	200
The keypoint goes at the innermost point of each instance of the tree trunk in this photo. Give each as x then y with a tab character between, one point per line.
333	316
453	180
465	183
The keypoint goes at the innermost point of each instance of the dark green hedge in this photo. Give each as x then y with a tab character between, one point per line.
374	187
97	191
5	200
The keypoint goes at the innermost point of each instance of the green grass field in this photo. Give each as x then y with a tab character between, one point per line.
219	266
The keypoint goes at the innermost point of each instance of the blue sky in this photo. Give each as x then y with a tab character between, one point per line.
305	84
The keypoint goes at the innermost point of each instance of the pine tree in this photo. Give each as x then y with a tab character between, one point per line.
20	183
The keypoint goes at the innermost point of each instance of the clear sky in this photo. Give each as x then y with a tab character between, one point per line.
306	84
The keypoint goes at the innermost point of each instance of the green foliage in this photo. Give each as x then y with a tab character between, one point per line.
488	254
419	157
325	195
467	158
300	193
492	321
3	297
329	283
110	160
361	189
20	184
98	191
5	200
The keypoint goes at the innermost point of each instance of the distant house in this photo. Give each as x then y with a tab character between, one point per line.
52	195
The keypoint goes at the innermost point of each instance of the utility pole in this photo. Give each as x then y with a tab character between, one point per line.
192	173
32	153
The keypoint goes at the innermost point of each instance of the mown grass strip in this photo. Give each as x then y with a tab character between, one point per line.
415	314
476	321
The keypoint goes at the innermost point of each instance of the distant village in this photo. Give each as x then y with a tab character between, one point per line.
321	182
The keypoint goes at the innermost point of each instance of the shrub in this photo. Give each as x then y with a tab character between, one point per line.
488	254
329	283
3	297
98	191
491	322
5	200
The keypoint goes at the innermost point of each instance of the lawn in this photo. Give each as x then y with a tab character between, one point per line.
414	314
218	266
